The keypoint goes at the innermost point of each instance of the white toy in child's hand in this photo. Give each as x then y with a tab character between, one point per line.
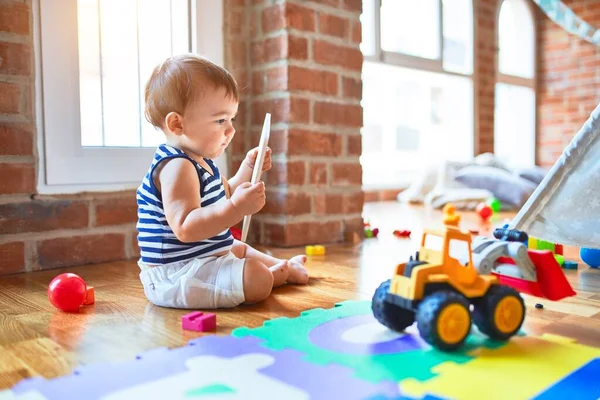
257	172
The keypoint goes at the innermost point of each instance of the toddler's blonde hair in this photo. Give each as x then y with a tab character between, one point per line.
178	81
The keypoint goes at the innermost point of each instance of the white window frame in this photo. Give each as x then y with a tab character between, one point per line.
65	166
425	64
518	80
415	62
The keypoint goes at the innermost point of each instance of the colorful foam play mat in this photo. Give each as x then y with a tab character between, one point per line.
337	353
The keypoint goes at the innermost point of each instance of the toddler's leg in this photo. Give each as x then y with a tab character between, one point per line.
297	271
259	280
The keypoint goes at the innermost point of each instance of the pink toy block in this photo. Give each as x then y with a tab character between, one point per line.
199	321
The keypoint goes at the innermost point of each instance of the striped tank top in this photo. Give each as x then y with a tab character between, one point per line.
156	240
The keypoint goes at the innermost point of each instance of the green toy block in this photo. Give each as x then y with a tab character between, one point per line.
559	259
544	245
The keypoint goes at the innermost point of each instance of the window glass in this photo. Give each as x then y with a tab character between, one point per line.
411	27
413	118
514	125
458	35
367	20
119	44
516	39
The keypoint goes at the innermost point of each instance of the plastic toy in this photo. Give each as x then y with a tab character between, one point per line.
67	292
199	321
590	256
484	211
402	233
90	296
316	250
236	233
494	204
369	233
257	171
450	215
438	287
569	265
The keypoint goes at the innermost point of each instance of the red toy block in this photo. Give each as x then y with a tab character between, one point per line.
199	321
90	297
558	249
402	233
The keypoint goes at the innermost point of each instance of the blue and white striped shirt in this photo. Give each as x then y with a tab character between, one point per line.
156	240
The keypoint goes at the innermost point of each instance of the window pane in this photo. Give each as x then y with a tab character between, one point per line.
90	90
367	19
516	39
458	35
119	45
413	118
120	89
411	27
514	120
163	30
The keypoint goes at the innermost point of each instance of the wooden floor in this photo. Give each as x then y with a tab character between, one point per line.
36	339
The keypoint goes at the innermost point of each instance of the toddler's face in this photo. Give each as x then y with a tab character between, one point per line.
208	124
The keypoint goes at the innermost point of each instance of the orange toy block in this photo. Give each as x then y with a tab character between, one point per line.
90	297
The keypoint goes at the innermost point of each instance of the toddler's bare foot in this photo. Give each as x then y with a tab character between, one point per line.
280	273
298	273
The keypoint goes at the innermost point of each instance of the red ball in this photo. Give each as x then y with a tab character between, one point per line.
484	210
67	292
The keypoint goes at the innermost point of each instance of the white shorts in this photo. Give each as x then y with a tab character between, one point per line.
210	282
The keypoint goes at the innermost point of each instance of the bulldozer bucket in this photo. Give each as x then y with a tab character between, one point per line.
551	281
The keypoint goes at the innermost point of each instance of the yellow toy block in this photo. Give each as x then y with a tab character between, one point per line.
533	243
317	250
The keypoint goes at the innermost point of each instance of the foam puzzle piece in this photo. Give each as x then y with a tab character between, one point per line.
526	367
324	335
238	366
9	395
581	384
199	321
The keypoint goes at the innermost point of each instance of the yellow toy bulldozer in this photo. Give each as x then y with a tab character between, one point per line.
445	291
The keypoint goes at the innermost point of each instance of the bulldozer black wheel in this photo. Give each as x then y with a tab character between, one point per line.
444	319
500	313
388	314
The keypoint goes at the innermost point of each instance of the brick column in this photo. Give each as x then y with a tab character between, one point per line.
304	66
486	55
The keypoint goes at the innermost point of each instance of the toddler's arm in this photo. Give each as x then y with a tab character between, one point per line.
180	188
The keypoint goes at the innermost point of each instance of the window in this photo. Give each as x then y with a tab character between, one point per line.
417	87
93	58
515	110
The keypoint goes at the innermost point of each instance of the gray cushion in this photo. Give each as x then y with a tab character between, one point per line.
510	189
533	174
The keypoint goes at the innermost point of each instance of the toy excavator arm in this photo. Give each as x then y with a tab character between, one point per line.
503	257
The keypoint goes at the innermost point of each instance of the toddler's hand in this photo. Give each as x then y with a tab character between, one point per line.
251	159
249	199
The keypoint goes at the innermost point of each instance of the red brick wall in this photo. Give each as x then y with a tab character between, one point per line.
569	80
303	66
38	232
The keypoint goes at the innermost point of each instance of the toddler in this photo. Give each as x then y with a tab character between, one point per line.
189	258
